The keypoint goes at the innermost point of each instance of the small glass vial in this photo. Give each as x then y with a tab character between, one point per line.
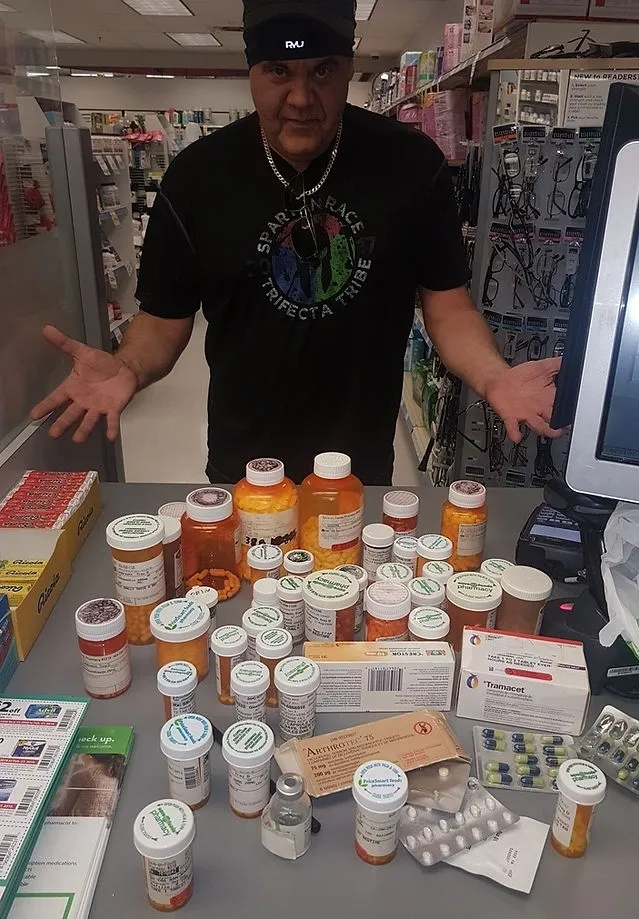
464	522
432	548
229	644
380	790
256	620
211	542
272	646
264	561
581	786
441	572
330	602
405	552
186	742
472	600
250	681
181	631
297	680
427	623
173	567
299	562
106	661
495	568
248	748
208	597
361	577
401	512
387	609
290	599
377	542
163	834
426	592
177	683
288	819
264	592
332	512
525	594
394	571
137	548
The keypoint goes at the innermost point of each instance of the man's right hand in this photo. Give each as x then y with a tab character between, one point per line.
99	384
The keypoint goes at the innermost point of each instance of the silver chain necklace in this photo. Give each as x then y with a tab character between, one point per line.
327	172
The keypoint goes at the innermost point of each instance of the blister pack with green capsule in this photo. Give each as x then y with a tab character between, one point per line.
612	744
520	760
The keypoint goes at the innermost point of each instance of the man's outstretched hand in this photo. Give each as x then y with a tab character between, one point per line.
525	395
99	384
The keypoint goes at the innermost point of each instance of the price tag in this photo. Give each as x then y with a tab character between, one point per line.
117	334
115	218
102	163
129	268
112	278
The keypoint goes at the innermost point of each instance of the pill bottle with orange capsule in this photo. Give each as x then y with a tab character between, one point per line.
211	542
266	503
137	548
181	631
464	522
332	512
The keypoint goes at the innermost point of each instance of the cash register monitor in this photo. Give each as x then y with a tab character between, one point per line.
598	387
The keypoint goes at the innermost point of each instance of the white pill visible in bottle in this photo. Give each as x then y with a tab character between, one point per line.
163	834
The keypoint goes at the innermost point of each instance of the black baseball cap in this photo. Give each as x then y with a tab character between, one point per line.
298	29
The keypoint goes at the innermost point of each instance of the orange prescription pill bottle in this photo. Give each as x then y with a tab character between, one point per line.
426	592
181	631
264	561
380	789
163	834
387	609
401	512
472	599
211	542
332	512
272	646
137	548
330	606
464	521
229	644
581	787
267	506
173	567
106	662
432	548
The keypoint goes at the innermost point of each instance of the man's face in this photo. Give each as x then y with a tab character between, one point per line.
300	104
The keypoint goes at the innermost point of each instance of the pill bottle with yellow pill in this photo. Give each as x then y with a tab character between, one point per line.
136	543
332	512
211	542
266	503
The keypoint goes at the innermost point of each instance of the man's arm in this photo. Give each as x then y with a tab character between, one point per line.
152	346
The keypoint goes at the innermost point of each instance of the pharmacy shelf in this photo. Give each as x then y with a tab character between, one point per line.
418	325
411	413
118	328
107	213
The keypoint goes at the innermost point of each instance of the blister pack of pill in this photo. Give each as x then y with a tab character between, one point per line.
432	836
612	743
520	760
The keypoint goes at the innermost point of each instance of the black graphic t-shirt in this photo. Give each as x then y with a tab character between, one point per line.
306	353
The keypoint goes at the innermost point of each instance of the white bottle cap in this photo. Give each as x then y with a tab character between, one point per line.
264	557
356	571
378	535
177	679
265	592
175	509
426	592
441	572
186	737
299	561
229	641
248	744
401	505
434	547
206	596
467	494
331	590
180	620
474	591
395	571
164	829
405	548
389	600
264	472
250	678
209	505
332	466
258	618
172	529
380	787
429	623
290	589
99	620
297	676
135	532
581	782
526	583
274	644
495	567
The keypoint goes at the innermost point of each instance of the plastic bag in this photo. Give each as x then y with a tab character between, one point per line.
620	571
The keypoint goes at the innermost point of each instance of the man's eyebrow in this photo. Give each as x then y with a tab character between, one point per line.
327	60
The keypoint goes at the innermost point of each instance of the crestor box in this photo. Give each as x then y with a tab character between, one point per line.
523	680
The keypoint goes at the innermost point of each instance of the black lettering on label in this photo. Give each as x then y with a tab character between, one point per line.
46	593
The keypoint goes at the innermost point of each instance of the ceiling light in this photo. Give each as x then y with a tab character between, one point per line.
200	39
53	67
54	38
160	76
106	74
364	10
6	9
357	44
159	7
37	73
83	73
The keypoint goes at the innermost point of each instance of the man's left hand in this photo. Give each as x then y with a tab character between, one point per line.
525	395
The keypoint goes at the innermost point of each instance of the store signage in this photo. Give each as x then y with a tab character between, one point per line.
588	95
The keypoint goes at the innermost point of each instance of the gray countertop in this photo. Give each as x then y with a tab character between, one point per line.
235	877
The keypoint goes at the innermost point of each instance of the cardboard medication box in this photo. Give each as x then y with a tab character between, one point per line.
507	11
376	677
531	682
624	10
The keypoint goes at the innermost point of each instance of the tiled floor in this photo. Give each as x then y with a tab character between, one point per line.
164	429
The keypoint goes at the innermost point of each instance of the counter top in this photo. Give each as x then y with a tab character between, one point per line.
235	877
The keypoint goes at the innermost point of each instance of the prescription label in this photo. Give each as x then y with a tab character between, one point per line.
140	583
249	789
169	880
564	821
340	531
278	529
376	837
471	539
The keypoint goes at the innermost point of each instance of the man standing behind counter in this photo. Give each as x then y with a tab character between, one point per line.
304	232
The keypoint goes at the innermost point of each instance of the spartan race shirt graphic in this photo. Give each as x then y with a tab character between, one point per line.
319	287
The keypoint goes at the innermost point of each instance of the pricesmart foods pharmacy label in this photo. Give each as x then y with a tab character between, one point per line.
588	95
